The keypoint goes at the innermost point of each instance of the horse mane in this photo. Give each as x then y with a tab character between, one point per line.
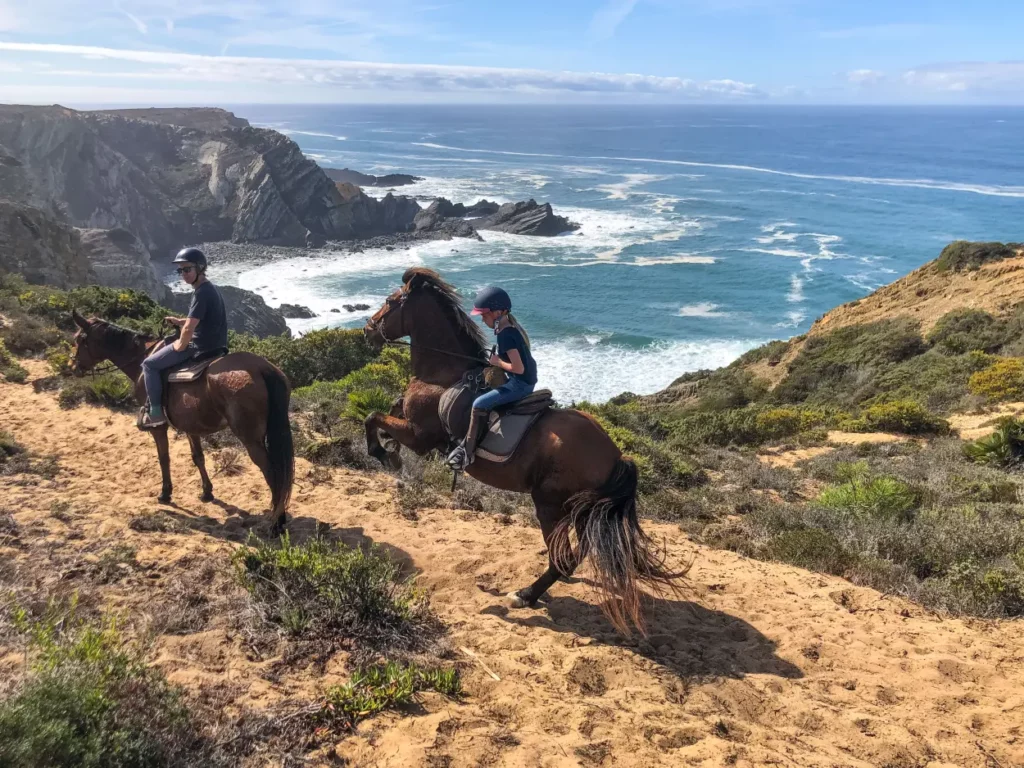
470	334
119	339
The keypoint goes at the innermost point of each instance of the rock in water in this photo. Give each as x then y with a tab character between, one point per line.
349	176
119	260
527	218
41	247
295	312
247	312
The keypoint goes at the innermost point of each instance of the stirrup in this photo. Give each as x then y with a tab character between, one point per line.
144	421
459	459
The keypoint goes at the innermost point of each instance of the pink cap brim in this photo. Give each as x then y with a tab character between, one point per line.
477	311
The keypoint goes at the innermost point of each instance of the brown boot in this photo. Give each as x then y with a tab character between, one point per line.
462	456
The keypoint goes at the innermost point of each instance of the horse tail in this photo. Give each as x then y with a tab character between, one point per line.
280	448
621	555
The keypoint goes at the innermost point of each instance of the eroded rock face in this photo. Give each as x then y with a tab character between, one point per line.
348	176
295	312
119	260
247	312
41	247
527	218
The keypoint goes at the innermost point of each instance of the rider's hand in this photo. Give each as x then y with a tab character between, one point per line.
179	347
494	360
173	321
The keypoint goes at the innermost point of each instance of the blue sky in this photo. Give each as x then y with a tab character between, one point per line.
481	51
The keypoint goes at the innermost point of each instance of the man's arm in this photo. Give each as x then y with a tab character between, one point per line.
178	321
187	330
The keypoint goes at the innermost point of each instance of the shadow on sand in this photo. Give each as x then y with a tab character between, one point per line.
684	638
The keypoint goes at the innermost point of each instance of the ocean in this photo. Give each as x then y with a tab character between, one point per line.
706	231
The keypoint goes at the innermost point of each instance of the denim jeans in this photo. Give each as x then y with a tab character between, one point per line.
512	390
158	362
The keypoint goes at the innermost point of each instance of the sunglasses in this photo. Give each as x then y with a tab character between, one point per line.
183	270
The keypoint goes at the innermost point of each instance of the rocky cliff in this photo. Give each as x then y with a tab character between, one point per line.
41	247
118	259
247	312
348	176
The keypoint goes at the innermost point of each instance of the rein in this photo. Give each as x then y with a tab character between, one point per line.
378	326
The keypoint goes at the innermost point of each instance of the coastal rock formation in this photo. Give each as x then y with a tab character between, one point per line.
370	217
348	176
119	260
295	312
41	247
247	312
527	218
522	218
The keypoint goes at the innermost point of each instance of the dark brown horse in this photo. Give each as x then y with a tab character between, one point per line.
581	484
240	391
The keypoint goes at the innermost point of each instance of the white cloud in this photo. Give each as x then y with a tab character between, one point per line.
865	77
139	23
370	76
978	76
608	18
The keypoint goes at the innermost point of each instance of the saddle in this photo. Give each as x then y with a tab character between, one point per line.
194	367
507	424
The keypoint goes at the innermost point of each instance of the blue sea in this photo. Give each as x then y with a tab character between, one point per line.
705	230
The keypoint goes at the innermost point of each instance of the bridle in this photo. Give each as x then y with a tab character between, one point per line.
377	326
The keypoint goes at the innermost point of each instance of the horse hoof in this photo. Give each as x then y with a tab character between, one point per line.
164	498
207	496
395	460
516	601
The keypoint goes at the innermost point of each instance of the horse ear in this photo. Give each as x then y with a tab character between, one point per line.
412	280
80	321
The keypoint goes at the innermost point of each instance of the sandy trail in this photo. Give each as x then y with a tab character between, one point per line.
765	664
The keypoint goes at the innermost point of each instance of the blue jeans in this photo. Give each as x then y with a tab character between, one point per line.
155	364
512	390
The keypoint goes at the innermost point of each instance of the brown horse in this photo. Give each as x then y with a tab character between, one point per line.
580	483
240	391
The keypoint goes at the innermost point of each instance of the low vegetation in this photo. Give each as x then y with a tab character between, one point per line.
963	255
326	590
90	700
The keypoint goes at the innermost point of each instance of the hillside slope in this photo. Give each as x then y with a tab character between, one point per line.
762	664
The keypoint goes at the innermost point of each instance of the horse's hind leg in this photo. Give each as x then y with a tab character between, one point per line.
163	452
258	453
199	460
549	516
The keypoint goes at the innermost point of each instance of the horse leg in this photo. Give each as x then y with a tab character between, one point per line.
163	452
258	453
398	428
549	516
199	460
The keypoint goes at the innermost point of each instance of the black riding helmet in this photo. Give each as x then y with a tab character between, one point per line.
492	298
191	256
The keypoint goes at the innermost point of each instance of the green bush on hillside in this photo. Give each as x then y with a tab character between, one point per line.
1003	448
323	355
936	380
863	495
901	416
91	701
1002	380
112	390
753	425
963	255
841	368
10	369
967	330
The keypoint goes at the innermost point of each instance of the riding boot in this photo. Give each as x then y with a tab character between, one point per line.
462	456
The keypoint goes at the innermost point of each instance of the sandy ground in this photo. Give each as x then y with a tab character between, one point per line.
764	664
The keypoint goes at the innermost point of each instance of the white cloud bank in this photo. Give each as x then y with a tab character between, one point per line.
369	76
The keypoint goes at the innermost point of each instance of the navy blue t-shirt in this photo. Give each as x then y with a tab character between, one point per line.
510	338
208	306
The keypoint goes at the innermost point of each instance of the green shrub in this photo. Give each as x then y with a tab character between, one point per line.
112	390
1003	380
901	416
375	689
753	425
878	497
8	446
841	368
936	380
963	255
967	330
10	369
1003	448
322	355
772	352
92	702
325	589
28	335
810	548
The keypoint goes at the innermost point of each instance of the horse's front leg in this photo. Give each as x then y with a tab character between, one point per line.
401	430
163	452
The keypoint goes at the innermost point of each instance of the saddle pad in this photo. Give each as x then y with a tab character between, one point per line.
534	402
191	370
504	433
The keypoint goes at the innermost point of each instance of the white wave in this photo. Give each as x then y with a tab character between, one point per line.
937	184
679	258
793	319
575	369
291	132
788	252
796	290
704	309
624	189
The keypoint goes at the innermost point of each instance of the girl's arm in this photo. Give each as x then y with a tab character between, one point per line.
514	365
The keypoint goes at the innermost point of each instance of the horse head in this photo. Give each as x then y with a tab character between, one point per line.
85	354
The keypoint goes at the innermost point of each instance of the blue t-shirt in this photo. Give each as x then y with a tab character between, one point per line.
208	306
510	338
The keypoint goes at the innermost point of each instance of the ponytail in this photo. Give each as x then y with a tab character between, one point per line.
515	324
